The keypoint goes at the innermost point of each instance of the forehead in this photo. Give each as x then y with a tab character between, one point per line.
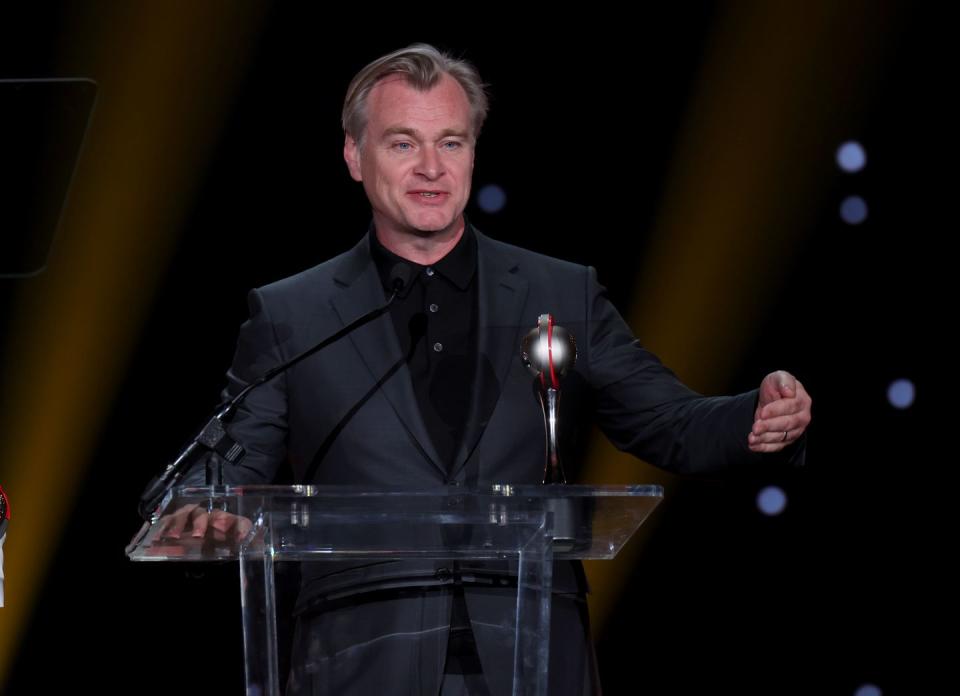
393	102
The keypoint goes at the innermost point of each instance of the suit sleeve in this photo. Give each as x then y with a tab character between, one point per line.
260	423
644	409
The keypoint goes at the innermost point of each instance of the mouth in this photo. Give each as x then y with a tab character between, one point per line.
428	197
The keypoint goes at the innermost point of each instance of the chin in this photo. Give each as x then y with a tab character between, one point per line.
432	225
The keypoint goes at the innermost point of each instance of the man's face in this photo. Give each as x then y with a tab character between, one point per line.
416	160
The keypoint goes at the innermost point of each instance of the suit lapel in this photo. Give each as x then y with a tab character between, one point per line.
377	342
502	294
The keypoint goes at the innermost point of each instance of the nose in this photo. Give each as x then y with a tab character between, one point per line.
429	164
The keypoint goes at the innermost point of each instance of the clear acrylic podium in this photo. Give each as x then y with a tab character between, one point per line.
531	525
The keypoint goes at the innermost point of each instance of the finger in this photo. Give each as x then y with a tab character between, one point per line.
221	523
786	384
769	390
243	527
224	521
776	386
783	437
781	407
228	526
776	424
768	447
176	521
200	523
162	525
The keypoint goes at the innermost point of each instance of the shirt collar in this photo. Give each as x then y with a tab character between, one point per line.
458	266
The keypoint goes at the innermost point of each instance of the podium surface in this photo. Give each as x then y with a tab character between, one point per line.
532	525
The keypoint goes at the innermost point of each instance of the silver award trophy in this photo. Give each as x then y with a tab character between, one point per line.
549	352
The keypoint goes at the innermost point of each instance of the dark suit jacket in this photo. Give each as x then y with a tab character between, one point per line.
328	412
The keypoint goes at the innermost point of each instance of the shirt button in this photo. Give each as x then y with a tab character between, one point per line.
429	271
438	346
434	308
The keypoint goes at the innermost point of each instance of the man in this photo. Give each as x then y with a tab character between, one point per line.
434	393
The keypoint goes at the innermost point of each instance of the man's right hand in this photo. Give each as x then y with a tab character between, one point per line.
195	522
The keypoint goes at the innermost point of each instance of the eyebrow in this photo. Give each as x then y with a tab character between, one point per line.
414	133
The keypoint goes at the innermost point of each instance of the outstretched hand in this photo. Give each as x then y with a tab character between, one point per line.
782	415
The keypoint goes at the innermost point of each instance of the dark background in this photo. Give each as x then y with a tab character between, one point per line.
839	591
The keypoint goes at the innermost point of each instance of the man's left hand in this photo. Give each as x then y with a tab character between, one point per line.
783	413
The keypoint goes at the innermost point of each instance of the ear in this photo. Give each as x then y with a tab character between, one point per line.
351	155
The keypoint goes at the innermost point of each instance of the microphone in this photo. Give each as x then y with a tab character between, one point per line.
213	437
399	277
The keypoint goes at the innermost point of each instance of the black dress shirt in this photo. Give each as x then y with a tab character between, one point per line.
435	317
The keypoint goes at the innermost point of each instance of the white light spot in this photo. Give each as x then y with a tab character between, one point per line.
771	500
901	393
491	199
851	157
853	210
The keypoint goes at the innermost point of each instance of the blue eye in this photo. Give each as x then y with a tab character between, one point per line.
451	145
403	147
